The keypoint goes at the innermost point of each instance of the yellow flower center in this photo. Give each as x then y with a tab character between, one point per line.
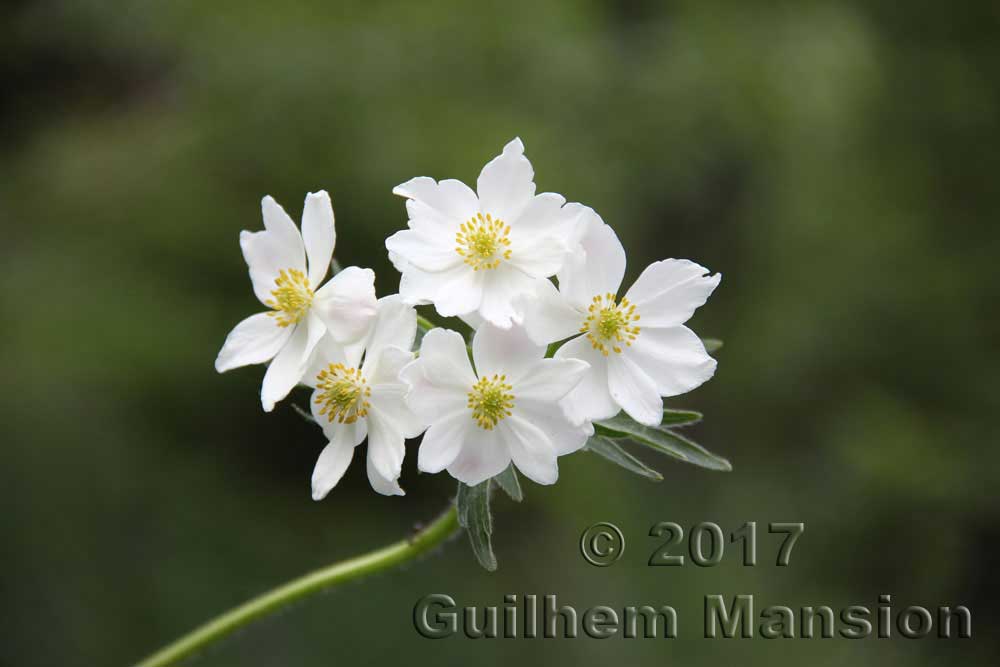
491	400
482	241
343	393
610	324
291	297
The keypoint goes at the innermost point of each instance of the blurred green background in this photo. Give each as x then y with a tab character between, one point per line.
837	161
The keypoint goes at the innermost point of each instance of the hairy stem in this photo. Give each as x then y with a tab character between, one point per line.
420	542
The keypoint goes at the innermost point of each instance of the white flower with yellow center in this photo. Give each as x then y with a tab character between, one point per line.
471	254
357	393
301	311
505	410
638	347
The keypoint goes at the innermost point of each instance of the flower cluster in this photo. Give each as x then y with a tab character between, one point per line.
525	271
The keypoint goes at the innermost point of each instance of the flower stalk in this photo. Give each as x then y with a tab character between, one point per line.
427	538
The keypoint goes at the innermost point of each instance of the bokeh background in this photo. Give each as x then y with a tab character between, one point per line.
837	161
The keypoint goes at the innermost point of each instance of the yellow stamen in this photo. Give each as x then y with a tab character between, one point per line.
291	298
609	324
343	393
482	242
490	401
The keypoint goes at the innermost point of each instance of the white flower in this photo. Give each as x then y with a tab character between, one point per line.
470	254
506	410
357	392
300	313
637	347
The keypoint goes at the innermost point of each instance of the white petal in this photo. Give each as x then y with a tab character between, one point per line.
591	399
386	448
346	304
547	315
388	401
566	437
501	288
398	263
531	450
507	352
395	325
266	257
330	467
543	216
443	441
598	269
457	291
577	220
253	341
283	231
388	391
278	247
429	401
539	258
289	365
277	222
474	320
550	379
327	351
425	251
440	379
484	454
353	433
506	184
385	368
448	203
461	295
386	487
319	234
417	287
668	292
634	391
675	359
445	358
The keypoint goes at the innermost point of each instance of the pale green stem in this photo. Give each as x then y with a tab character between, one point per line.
382	559
425	323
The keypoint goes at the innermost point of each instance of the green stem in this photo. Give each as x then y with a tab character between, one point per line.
381	559
425	323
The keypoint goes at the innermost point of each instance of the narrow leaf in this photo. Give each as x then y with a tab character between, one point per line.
473	505
621	425
625	425
612	451
711	344
680	417
509	482
662	440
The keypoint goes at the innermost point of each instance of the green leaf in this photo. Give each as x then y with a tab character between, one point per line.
711	344
510	484
473	504
662	440
680	417
612	451
621	425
